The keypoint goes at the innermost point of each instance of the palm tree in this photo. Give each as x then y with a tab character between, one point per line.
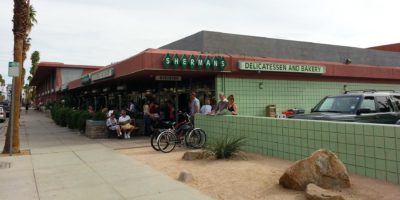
2	81
20	21
35	57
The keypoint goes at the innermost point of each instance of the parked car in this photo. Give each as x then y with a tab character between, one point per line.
368	106
2	115
6	108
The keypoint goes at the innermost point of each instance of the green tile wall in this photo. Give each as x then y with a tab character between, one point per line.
366	149
285	94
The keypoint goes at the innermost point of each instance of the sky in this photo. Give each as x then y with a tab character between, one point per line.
100	32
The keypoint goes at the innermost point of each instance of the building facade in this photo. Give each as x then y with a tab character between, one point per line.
51	78
257	71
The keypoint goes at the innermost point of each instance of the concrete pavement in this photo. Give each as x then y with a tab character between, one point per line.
66	165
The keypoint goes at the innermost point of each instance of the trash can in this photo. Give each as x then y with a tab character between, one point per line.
271	111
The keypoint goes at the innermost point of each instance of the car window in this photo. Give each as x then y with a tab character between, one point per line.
384	104
368	103
342	104
396	102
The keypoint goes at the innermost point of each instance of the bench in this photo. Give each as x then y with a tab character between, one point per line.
113	134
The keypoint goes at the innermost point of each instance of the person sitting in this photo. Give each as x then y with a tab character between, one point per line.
112	125
221	106
124	120
206	108
232	107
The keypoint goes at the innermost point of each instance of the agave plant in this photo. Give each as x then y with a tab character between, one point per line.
226	147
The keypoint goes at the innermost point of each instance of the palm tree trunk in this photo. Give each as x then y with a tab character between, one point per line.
20	31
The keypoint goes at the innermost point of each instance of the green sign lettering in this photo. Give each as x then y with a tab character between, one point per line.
199	62
207	62
192	62
221	63
167	61
184	61
176	60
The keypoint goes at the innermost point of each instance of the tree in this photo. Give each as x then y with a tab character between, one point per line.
35	57
2	81
20	25
31	21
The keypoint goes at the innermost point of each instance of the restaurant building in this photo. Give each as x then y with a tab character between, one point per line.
257	71
52	78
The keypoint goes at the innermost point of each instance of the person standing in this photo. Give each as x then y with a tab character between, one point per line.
146	118
232	107
221	106
194	105
206	108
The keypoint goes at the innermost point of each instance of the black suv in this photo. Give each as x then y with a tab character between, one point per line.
367	106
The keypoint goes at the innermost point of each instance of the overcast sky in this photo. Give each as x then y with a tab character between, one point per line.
98	32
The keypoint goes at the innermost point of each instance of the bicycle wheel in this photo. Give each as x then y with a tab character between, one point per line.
196	138
153	141
166	141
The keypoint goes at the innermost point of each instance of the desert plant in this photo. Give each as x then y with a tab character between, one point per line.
226	147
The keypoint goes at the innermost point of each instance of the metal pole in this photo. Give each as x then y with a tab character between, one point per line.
12	116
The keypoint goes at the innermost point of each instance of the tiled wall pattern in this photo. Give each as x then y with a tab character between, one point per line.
252	98
366	149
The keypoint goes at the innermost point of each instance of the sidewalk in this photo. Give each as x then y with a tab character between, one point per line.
66	165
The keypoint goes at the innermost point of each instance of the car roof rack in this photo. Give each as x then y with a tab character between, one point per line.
369	91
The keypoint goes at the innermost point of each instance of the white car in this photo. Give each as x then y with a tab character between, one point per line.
2	114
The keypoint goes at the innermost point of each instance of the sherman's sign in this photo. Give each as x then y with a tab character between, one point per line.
281	67
194	62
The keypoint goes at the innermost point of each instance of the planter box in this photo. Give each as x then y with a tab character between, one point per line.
96	129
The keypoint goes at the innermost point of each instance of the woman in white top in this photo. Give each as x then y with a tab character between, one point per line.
206	108
112	124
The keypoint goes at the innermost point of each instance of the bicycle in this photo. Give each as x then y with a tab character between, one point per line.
185	133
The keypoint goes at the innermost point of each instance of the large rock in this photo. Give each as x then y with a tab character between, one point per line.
322	168
185	176
192	155
313	192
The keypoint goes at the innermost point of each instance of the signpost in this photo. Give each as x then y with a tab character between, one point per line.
13	71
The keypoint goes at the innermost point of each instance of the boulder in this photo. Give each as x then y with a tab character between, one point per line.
322	168
313	192
185	176
192	155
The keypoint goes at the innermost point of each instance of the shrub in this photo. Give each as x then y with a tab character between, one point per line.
75	118
226	147
81	123
99	116
71	118
63	115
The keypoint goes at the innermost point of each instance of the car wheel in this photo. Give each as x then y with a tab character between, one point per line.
398	122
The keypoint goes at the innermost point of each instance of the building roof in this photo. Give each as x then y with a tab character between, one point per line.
388	47
46	68
216	42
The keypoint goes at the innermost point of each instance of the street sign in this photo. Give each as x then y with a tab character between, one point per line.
13	69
